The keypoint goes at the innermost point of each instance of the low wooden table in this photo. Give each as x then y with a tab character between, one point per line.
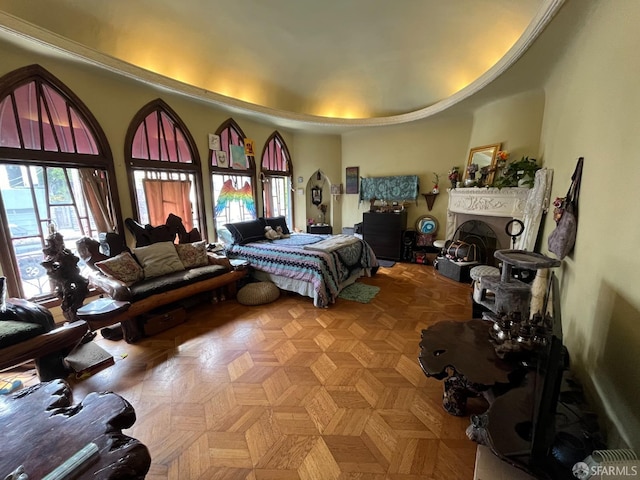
103	312
41	430
461	354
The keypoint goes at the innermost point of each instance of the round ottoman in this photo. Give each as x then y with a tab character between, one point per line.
258	293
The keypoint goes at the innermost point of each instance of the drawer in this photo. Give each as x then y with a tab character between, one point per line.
162	319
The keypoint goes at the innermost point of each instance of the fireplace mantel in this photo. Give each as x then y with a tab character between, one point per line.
495	202
524	204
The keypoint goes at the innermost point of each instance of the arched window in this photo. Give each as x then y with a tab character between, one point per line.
164	168
56	169
277	178
232	177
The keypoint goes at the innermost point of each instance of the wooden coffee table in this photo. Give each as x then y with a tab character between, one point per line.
461	354
41	430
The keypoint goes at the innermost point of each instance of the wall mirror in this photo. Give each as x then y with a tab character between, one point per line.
484	156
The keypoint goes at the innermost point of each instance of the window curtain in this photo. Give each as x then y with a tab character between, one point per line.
96	192
168	196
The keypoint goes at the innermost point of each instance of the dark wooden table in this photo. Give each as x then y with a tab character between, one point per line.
41	429
461	354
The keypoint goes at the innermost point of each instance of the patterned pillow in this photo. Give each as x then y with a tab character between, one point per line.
158	259
122	267
193	254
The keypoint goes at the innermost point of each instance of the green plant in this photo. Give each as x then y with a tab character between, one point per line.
522	172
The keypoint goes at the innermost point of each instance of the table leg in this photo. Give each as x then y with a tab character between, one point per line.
454	398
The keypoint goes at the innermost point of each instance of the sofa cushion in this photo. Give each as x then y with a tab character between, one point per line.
12	332
122	267
158	259
193	254
275	222
245	232
178	279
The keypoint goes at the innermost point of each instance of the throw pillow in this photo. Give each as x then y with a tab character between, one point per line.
122	267
245	232
158	259
193	254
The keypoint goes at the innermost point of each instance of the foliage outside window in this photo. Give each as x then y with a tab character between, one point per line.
55	169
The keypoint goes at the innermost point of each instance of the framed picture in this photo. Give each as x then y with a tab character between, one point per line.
336	189
249	147
222	160
353	179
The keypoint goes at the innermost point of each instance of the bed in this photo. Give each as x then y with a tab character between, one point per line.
317	266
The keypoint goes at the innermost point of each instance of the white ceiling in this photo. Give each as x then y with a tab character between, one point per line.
318	61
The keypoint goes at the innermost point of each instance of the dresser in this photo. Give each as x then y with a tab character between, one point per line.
384	233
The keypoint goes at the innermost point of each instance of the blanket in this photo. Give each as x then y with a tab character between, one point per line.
325	270
332	243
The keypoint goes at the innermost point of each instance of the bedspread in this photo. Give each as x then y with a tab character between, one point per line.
325	270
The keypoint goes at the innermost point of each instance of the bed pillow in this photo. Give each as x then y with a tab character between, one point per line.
158	259
122	267
245	232
274	222
193	254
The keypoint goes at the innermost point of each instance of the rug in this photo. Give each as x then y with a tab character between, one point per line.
359	292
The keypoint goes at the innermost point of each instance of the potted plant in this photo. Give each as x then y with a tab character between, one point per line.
519	173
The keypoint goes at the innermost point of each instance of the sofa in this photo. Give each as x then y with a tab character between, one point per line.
156	275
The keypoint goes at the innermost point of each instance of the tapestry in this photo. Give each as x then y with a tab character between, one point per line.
398	188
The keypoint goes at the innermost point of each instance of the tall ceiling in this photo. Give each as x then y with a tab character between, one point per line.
340	61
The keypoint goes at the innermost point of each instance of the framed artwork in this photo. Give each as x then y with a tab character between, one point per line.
214	142
316	195
222	160
249	147
353	179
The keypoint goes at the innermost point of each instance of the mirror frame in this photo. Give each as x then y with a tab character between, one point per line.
493	150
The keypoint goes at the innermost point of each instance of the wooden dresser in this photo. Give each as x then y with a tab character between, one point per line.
383	232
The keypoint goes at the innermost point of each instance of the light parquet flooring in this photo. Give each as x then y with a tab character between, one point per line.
289	391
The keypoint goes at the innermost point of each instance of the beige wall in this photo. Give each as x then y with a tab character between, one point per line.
592	105
515	122
418	148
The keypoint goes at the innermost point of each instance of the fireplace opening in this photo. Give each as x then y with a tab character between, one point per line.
482	236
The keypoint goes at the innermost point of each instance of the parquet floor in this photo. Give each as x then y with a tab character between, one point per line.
289	391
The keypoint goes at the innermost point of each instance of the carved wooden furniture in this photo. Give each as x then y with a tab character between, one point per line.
171	288
62	268
461	354
28	332
384	231
41	429
132	300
